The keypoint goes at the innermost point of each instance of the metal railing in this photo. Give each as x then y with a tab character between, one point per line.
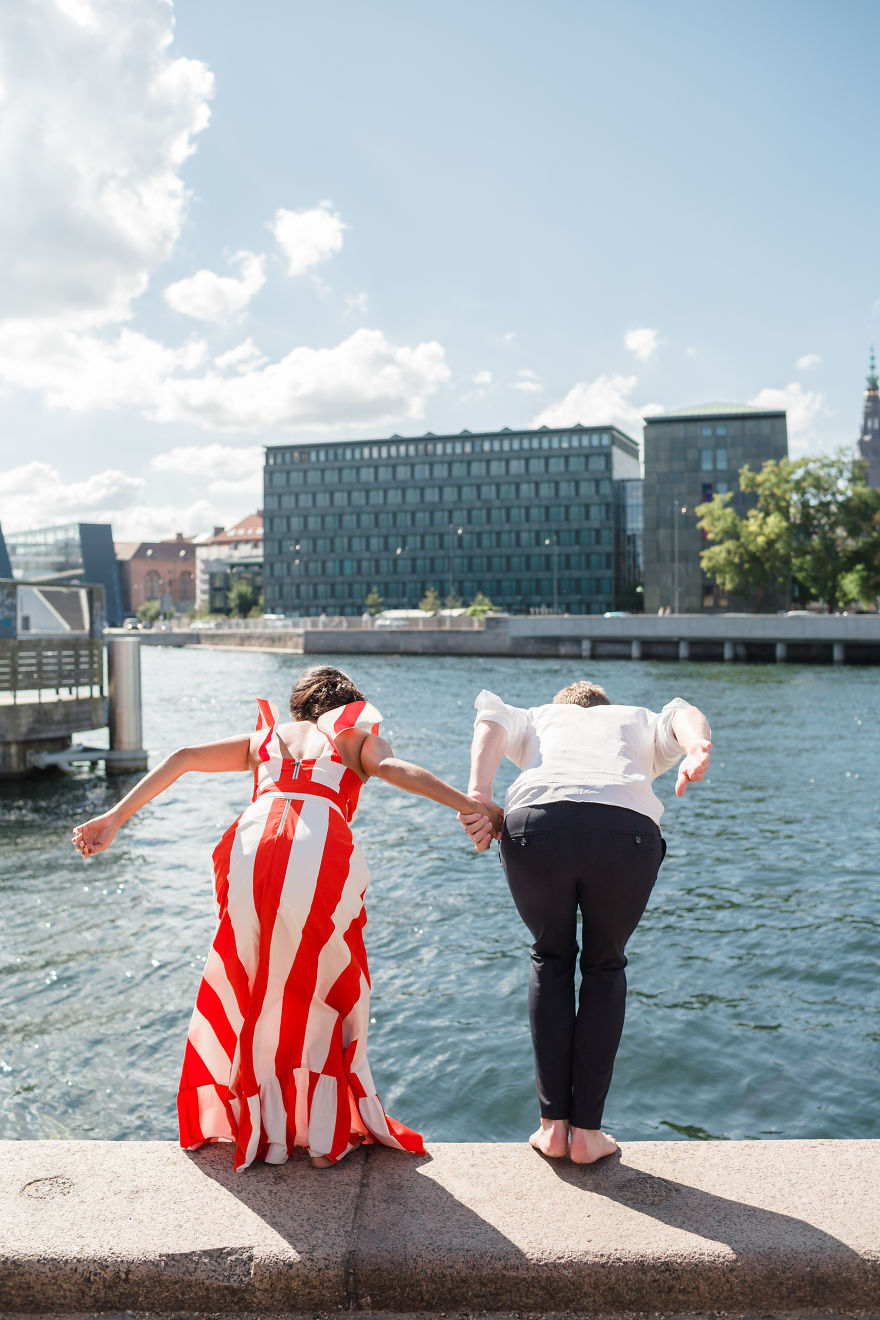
51	668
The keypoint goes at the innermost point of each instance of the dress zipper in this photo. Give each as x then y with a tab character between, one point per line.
296	766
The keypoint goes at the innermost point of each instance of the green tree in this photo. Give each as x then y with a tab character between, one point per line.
814	527
374	602
149	612
452	601
480	606
242	598
431	602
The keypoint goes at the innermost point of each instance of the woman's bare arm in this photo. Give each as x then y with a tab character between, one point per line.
377	759
229	754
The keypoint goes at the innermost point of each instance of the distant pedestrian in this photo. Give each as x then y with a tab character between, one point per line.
581	833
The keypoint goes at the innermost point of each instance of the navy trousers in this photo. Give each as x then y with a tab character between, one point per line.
560	859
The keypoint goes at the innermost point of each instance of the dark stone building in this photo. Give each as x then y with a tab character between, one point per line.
530	518
690	455
869	440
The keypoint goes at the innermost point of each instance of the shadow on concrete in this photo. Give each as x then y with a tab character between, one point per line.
777	1259
365	1234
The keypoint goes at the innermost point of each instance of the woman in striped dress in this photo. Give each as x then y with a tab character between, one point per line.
276	1055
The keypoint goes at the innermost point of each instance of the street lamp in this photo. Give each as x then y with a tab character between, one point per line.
680	509
399	561
294	547
551	541
455	535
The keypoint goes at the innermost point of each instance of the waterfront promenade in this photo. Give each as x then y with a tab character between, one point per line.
751	1228
743	638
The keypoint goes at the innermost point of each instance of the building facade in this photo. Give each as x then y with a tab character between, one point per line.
158	570
689	456
228	555
74	554
527	517
869	439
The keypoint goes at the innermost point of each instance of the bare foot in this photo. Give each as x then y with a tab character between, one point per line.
320	1162
551	1138
589	1145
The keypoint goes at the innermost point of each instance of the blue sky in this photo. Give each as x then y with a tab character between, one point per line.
234	225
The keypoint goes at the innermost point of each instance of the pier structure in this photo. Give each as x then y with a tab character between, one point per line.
52	680
677	1228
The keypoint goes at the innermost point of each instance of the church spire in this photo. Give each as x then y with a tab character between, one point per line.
869	440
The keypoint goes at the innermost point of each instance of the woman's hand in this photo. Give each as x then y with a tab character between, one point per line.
484	825
95	835
694	765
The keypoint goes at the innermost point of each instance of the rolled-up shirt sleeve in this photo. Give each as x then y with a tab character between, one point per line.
492	710
667	748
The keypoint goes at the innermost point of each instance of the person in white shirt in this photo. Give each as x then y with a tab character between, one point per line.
581	832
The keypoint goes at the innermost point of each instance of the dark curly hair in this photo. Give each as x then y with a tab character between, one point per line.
320	688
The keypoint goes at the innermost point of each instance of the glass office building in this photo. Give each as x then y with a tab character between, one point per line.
529	518
76	553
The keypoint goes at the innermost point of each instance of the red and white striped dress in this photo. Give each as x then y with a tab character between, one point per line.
276	1055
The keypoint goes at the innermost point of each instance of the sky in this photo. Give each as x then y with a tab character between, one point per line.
228	225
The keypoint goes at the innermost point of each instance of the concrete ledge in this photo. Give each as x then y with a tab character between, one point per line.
751	1227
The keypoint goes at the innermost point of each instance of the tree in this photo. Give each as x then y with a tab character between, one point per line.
149	611
814	529
374	602
480	606
452	601
242	598
430	602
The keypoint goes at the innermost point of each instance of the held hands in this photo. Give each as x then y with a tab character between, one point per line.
94	836
694	765
484	826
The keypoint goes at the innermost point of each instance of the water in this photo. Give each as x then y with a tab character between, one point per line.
753	975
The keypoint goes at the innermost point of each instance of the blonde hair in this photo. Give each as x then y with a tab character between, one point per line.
581	693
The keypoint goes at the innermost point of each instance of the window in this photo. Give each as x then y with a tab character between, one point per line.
537	465
720	460
376	496
721	430
556	463
547	488
707	460
478	467
497	467
721	487
507	491
705	430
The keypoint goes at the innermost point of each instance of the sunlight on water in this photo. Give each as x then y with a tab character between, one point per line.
753	976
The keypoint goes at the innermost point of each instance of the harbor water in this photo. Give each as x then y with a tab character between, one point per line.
753	987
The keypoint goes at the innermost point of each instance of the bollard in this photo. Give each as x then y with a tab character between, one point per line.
684	650
126	737
635	650
729	651
838	654
781	653
586	649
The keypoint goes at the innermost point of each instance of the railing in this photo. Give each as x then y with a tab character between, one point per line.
51	668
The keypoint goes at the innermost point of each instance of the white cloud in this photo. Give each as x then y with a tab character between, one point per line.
93	200
364	381
690	352
308	237
802	406
36	495
808	361
528	382
221	469
82	371
509	336
245	356
482	378
218	298
601	402
356	304
642	342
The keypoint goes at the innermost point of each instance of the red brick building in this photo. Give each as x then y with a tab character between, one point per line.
157	570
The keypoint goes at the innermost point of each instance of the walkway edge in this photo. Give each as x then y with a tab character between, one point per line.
751	1227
